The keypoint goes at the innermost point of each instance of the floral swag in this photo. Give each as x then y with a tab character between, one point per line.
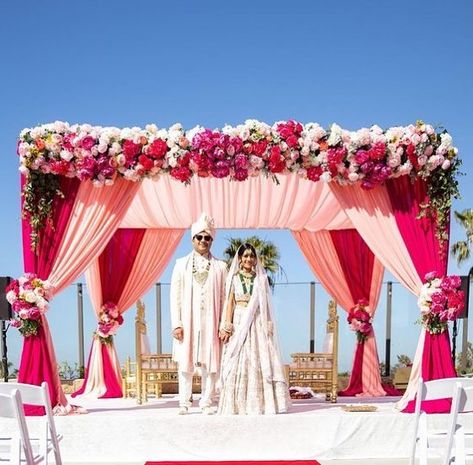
360	320
440	301
29	297
367	156
109	322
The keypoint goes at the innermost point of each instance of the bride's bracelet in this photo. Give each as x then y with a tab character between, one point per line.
228	328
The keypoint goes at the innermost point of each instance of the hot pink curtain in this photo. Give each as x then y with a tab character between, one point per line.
349	271
81	225
401	244
132	261
115	264
38	358
427	255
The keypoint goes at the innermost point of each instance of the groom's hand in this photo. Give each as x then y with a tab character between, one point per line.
178	334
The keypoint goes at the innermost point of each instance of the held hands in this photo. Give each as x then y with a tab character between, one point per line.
178	334
225	332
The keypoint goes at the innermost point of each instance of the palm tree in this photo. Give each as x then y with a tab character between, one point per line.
461	250
268	254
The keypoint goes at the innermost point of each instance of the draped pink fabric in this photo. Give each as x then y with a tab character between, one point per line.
38	360
419	235
349	271
376	214
81	225
132	261
115	264
294	203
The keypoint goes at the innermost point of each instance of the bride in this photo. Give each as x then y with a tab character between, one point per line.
252	377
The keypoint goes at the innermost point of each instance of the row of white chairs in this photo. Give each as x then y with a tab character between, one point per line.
453	445
20	447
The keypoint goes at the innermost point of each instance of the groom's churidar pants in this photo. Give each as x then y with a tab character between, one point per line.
207	386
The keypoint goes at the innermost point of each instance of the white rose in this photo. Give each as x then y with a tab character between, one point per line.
11	296
353	177
29	296
152	128
335	135
325	177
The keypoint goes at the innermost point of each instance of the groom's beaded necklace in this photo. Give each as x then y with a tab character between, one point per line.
247	281
200	275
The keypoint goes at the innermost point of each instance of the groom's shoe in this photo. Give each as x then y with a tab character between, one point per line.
207	410
183	410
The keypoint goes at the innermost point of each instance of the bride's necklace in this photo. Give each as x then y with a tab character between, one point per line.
247	281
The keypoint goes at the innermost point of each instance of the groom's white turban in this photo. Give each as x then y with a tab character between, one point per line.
204	223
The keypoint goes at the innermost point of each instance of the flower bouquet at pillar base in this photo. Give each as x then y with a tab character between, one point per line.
440	301
360	320
109	322
29	297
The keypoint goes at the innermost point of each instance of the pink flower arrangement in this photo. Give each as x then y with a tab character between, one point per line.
101	154
440	301
360	320
29	297
109	322
369	156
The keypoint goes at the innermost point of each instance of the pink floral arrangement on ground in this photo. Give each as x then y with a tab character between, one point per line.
29	297
440	301
109	322
360	320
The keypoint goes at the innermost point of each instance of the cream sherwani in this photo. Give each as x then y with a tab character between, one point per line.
197	294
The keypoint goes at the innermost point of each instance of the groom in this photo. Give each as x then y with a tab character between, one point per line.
197	294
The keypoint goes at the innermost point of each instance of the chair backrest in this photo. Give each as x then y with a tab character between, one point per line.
39	396
438	389
11	406
462	402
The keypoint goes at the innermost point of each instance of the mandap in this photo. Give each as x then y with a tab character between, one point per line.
114	203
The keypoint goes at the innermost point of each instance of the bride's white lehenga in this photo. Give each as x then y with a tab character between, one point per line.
252	376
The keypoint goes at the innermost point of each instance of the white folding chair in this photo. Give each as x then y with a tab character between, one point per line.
48	440
11	447
459	442
425	441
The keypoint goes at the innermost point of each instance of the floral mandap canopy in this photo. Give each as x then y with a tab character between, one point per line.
97	199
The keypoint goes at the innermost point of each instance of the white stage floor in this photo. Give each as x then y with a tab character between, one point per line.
119	431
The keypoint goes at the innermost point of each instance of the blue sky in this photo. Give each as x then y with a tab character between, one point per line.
126	63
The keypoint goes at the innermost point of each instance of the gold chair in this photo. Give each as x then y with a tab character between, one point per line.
154	371
319	371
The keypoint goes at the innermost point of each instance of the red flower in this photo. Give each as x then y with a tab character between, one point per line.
314	173
292	141
146	162
157	149
241	175
60	167
183	173
130	149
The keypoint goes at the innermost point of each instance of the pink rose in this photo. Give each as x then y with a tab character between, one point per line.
87	142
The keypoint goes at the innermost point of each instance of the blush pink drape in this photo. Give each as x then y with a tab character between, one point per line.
381	215
82	224
132	261
349	271
294	204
